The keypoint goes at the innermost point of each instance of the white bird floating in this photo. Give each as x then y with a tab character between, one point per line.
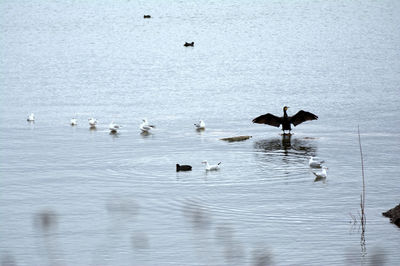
315	164
321	175
92	122
31	118
74	122
214	167
145	127
113	127
200	125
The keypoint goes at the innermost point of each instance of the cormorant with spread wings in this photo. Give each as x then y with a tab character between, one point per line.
285	120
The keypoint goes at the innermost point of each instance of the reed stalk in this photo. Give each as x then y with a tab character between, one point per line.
362	203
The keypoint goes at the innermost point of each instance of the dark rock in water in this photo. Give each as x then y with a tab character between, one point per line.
146	16
183	167
188	44
239	138
394	215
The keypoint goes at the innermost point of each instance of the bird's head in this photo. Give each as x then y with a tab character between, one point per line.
285	108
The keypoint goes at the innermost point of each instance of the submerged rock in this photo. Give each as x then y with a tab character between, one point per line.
239	138
394	215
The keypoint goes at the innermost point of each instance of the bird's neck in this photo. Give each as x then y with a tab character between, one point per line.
284	113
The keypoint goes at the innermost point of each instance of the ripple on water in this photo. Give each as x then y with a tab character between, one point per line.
283	159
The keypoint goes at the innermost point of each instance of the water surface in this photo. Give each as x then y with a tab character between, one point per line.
74	196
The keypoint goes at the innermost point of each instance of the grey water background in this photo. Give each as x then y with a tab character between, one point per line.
74	196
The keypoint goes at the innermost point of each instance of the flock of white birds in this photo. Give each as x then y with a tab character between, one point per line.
146	128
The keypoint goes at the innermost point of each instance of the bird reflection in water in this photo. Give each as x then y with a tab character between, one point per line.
287	145
146	134
114	134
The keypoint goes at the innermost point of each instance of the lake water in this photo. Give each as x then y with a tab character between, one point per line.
74	196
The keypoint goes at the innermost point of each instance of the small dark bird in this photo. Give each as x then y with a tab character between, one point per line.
285	120
183	167
188	44
146	16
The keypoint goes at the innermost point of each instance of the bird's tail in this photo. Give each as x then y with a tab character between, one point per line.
315	174
219	163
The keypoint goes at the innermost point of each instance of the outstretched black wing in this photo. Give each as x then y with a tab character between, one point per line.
268	119
301	117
